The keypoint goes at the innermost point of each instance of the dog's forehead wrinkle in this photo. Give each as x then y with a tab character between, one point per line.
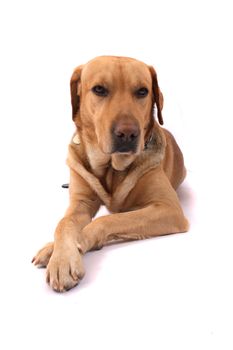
125	71
99	75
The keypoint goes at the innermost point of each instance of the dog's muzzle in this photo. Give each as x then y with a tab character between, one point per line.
125	136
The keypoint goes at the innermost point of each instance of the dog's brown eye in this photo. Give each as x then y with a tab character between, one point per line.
100	90
142	92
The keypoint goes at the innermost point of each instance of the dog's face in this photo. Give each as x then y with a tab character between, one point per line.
113	99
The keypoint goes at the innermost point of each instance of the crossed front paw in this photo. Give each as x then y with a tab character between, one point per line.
65	269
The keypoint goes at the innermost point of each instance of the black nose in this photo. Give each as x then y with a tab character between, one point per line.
125	136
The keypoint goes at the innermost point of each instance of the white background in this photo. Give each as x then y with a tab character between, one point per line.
173	292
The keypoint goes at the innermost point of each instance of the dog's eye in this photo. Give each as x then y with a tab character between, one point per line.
142	92
100	90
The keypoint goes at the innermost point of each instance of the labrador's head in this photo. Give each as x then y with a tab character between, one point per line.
113	100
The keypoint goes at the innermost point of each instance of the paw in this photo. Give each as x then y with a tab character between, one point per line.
65	268
41	259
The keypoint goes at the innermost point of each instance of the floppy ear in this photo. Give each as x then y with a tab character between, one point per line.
74	91
157	94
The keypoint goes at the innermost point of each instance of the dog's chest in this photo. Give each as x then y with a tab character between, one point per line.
112	179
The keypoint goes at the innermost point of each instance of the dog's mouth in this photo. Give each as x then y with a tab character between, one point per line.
124	151
125	146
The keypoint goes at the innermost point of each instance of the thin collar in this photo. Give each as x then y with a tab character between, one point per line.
148	142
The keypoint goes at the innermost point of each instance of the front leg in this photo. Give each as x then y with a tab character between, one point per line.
41	259
160	214
155	220
65	268
64	257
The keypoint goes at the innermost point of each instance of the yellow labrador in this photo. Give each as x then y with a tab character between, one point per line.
119	156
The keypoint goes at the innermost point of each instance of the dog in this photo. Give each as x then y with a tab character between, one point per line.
120	157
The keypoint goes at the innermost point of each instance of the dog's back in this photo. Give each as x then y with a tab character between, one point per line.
173	162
